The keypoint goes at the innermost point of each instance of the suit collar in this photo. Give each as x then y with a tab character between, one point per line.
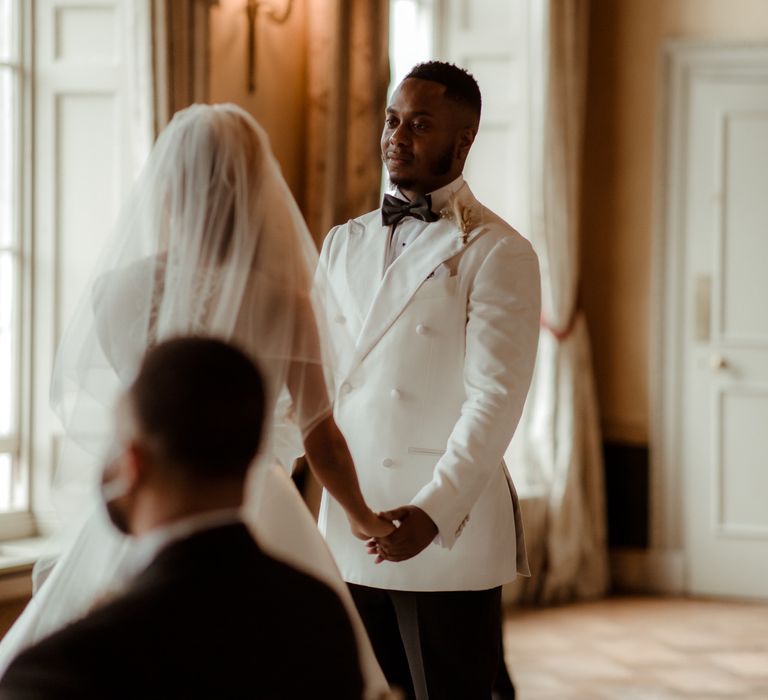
214	546
153	542
439	197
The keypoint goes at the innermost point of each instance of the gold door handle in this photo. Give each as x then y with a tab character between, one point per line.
718	362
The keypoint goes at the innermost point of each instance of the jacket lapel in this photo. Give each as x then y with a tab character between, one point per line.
366	248
438	242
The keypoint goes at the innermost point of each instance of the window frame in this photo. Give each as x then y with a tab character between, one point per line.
19	522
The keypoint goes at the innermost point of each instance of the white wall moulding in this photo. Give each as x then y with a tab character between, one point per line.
72	23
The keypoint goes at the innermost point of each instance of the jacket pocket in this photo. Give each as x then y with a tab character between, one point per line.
425	451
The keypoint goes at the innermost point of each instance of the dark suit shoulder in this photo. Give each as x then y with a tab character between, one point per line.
211	613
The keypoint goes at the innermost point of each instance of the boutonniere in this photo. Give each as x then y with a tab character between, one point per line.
460	214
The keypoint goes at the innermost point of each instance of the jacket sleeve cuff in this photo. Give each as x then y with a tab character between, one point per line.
442	511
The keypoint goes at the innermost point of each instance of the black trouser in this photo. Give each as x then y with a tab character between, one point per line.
440	645
503	687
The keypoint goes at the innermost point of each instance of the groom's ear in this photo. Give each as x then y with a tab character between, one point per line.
465	141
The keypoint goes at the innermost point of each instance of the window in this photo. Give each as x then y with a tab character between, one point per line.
13	481
490	39
75	116
411	31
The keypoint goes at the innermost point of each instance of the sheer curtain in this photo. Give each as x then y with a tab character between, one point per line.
347	78
558	443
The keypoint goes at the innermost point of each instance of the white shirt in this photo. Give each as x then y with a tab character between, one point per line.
409	228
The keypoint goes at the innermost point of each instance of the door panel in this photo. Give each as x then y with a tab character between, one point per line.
725	354
745	224
741	418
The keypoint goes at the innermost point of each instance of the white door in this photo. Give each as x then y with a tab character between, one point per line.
724	368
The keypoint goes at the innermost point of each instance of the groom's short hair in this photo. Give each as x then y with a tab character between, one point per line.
460	85
199	403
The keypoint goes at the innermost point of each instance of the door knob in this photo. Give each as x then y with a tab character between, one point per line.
718	362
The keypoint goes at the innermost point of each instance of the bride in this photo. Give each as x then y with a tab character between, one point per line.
209	242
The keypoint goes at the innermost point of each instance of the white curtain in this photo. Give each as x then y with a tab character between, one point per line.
557	452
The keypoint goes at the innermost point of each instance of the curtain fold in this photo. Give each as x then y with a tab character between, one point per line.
558	444
347	78
180	40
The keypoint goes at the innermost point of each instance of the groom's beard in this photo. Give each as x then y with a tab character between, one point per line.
441	166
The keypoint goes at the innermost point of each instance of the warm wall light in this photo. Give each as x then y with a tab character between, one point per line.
252	9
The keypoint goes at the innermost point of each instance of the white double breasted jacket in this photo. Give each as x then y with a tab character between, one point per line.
446	343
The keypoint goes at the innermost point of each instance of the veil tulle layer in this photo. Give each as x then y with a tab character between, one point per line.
210	241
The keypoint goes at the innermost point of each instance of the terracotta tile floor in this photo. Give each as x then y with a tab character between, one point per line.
639	649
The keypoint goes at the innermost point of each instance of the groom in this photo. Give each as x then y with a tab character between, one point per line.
443	298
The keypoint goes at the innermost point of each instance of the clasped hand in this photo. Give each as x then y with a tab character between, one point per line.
372	525
415	530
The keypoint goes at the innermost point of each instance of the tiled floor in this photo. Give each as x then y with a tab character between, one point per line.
640	649
629	649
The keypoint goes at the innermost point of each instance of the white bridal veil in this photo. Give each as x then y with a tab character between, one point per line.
210	241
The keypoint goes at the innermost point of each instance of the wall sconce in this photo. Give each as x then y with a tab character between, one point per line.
252	10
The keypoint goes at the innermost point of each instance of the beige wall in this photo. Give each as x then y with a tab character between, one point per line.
279	101
626	37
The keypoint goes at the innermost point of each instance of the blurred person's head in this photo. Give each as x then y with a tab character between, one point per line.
188	429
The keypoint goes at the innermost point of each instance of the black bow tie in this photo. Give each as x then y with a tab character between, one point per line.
394	210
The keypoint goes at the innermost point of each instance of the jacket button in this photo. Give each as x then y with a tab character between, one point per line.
340	318
387	462
396	394
421	329
345	388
